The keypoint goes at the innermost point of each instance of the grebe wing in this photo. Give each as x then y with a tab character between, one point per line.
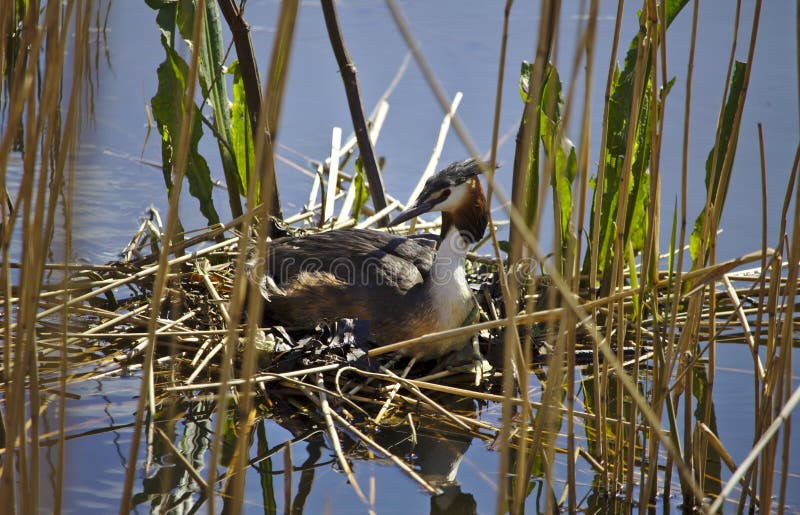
354	257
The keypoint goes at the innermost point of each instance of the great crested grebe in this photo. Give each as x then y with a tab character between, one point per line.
405	287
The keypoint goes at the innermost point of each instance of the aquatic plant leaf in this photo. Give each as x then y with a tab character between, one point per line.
265	470
177	17
619	117
168	111
524	80
230	433
637	228
532	173
165	18
215	91
558	147
241	130
705	412
723	152
547	131
362	192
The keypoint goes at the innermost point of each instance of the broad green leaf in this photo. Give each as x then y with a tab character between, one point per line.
559	148
241	130
620	115
714	176
165	19
214	90
532	173
168	111
546	132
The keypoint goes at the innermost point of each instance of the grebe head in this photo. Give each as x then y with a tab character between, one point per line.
457	193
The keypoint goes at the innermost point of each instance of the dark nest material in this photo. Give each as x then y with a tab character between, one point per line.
109	312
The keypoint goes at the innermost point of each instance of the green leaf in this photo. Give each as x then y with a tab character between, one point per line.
165	18
362	192
706	412
637	227
265	470
241	130
694	238
558	147
168	111
214	90
726	144
619	117
524	80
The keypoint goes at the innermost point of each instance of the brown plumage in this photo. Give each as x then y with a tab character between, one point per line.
405	287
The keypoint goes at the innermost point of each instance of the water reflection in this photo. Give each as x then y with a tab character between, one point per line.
168	486
433	448
436	452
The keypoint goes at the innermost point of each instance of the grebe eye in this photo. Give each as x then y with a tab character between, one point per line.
446	193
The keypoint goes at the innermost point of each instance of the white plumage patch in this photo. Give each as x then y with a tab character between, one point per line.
451	293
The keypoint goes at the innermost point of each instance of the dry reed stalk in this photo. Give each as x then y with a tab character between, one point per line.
397	461
374	132
268	123
589	40
147	394
394	204
264	152
322	401
651	246
348	72
182	459
621	304
47	127
151	270
410	386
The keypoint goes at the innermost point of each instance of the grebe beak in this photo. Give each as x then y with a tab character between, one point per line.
415	210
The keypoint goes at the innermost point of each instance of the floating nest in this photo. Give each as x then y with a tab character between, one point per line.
329	379
109	309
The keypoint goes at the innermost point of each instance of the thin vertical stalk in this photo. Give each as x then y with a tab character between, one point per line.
641	71
583	169
20	95
600	374
146	395
789	403
240	31
512	336
649	283
527	138
661	393
65	149
350	79
264	154
46	149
